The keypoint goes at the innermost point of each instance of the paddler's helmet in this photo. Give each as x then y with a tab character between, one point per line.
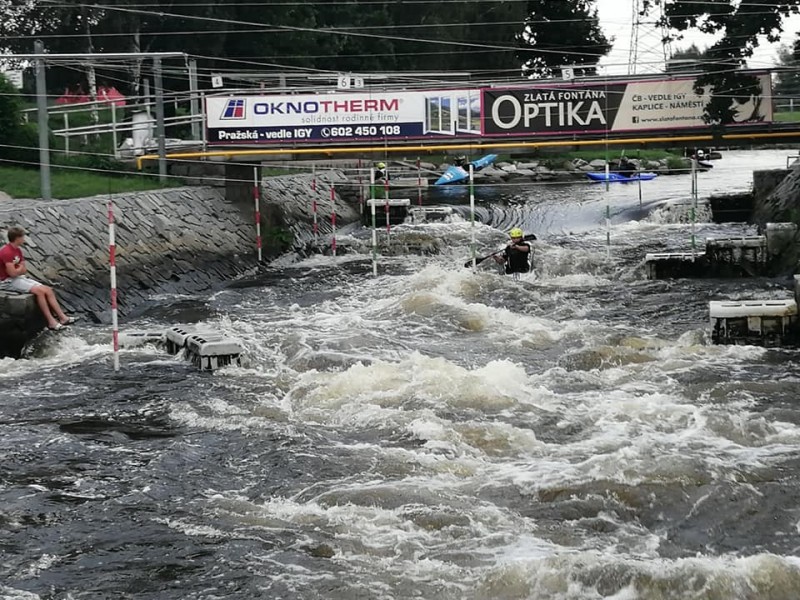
515	233
381	165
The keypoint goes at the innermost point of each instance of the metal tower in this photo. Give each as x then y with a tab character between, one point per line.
649	43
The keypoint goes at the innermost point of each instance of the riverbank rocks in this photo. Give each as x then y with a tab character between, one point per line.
572	170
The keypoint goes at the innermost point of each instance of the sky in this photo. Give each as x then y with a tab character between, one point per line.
616	17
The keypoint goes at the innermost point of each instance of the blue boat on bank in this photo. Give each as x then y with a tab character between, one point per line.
457	174
619	178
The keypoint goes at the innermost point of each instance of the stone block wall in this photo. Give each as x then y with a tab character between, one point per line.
776	195
289	200
180	240
183	240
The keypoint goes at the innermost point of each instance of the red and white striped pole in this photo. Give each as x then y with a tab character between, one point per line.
257	202
314	203
112	261
333	218
419	183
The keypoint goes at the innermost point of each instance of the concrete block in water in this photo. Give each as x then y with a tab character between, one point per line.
664	265
797	289
757	322
209	352
398	211
175	338
132	339
429	214
746	255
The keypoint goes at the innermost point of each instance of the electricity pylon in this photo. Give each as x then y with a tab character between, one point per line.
649	43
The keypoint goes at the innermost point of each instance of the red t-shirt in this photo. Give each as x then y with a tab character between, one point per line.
9	254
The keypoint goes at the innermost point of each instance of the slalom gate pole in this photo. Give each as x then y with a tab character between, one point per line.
112	262
315	226
360	188
333	218
693	209
386	204
608	184
639	156
374	224
419	183
472	214
257	202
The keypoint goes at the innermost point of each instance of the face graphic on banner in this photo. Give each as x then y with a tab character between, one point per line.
747	109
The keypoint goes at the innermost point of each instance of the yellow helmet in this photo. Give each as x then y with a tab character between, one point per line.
381	165
515	233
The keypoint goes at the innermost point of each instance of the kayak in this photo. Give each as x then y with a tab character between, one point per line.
616	177
455	174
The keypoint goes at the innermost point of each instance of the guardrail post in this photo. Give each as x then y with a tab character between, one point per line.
41	111
66	133
193	102
114	128
162	143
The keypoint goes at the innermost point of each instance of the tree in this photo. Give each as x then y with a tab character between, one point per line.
740	24
787	81
17	141
224	36
561	33
690	59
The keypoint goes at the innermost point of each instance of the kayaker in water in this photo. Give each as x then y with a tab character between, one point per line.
516	256
461	161
626	168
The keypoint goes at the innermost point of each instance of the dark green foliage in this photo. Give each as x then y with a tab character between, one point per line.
688	60
254	37
740	24
18	142
787	84
559	34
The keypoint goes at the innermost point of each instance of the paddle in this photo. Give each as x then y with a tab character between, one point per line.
479	260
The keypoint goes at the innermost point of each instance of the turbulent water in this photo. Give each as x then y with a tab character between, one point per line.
431	433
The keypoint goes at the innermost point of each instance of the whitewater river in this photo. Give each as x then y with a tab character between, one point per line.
430	433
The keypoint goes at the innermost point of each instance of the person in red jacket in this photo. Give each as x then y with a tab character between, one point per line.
13	277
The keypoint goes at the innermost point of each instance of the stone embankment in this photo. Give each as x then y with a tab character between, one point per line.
177	241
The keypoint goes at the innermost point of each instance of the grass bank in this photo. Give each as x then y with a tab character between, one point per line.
70	183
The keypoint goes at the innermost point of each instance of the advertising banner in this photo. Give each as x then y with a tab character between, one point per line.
339	117
612	107
551	108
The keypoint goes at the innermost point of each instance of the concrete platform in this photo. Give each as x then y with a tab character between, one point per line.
767	323
20	322
398	211
430	214
207	350
737	257
668	265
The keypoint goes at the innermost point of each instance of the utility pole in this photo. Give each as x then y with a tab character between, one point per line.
194	104
162	146
44	130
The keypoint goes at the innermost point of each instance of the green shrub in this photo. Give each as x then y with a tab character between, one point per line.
677	163
91	161
10	121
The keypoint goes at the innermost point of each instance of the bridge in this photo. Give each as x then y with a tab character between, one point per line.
641	112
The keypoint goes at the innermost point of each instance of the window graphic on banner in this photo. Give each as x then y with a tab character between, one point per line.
615	107
343	117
